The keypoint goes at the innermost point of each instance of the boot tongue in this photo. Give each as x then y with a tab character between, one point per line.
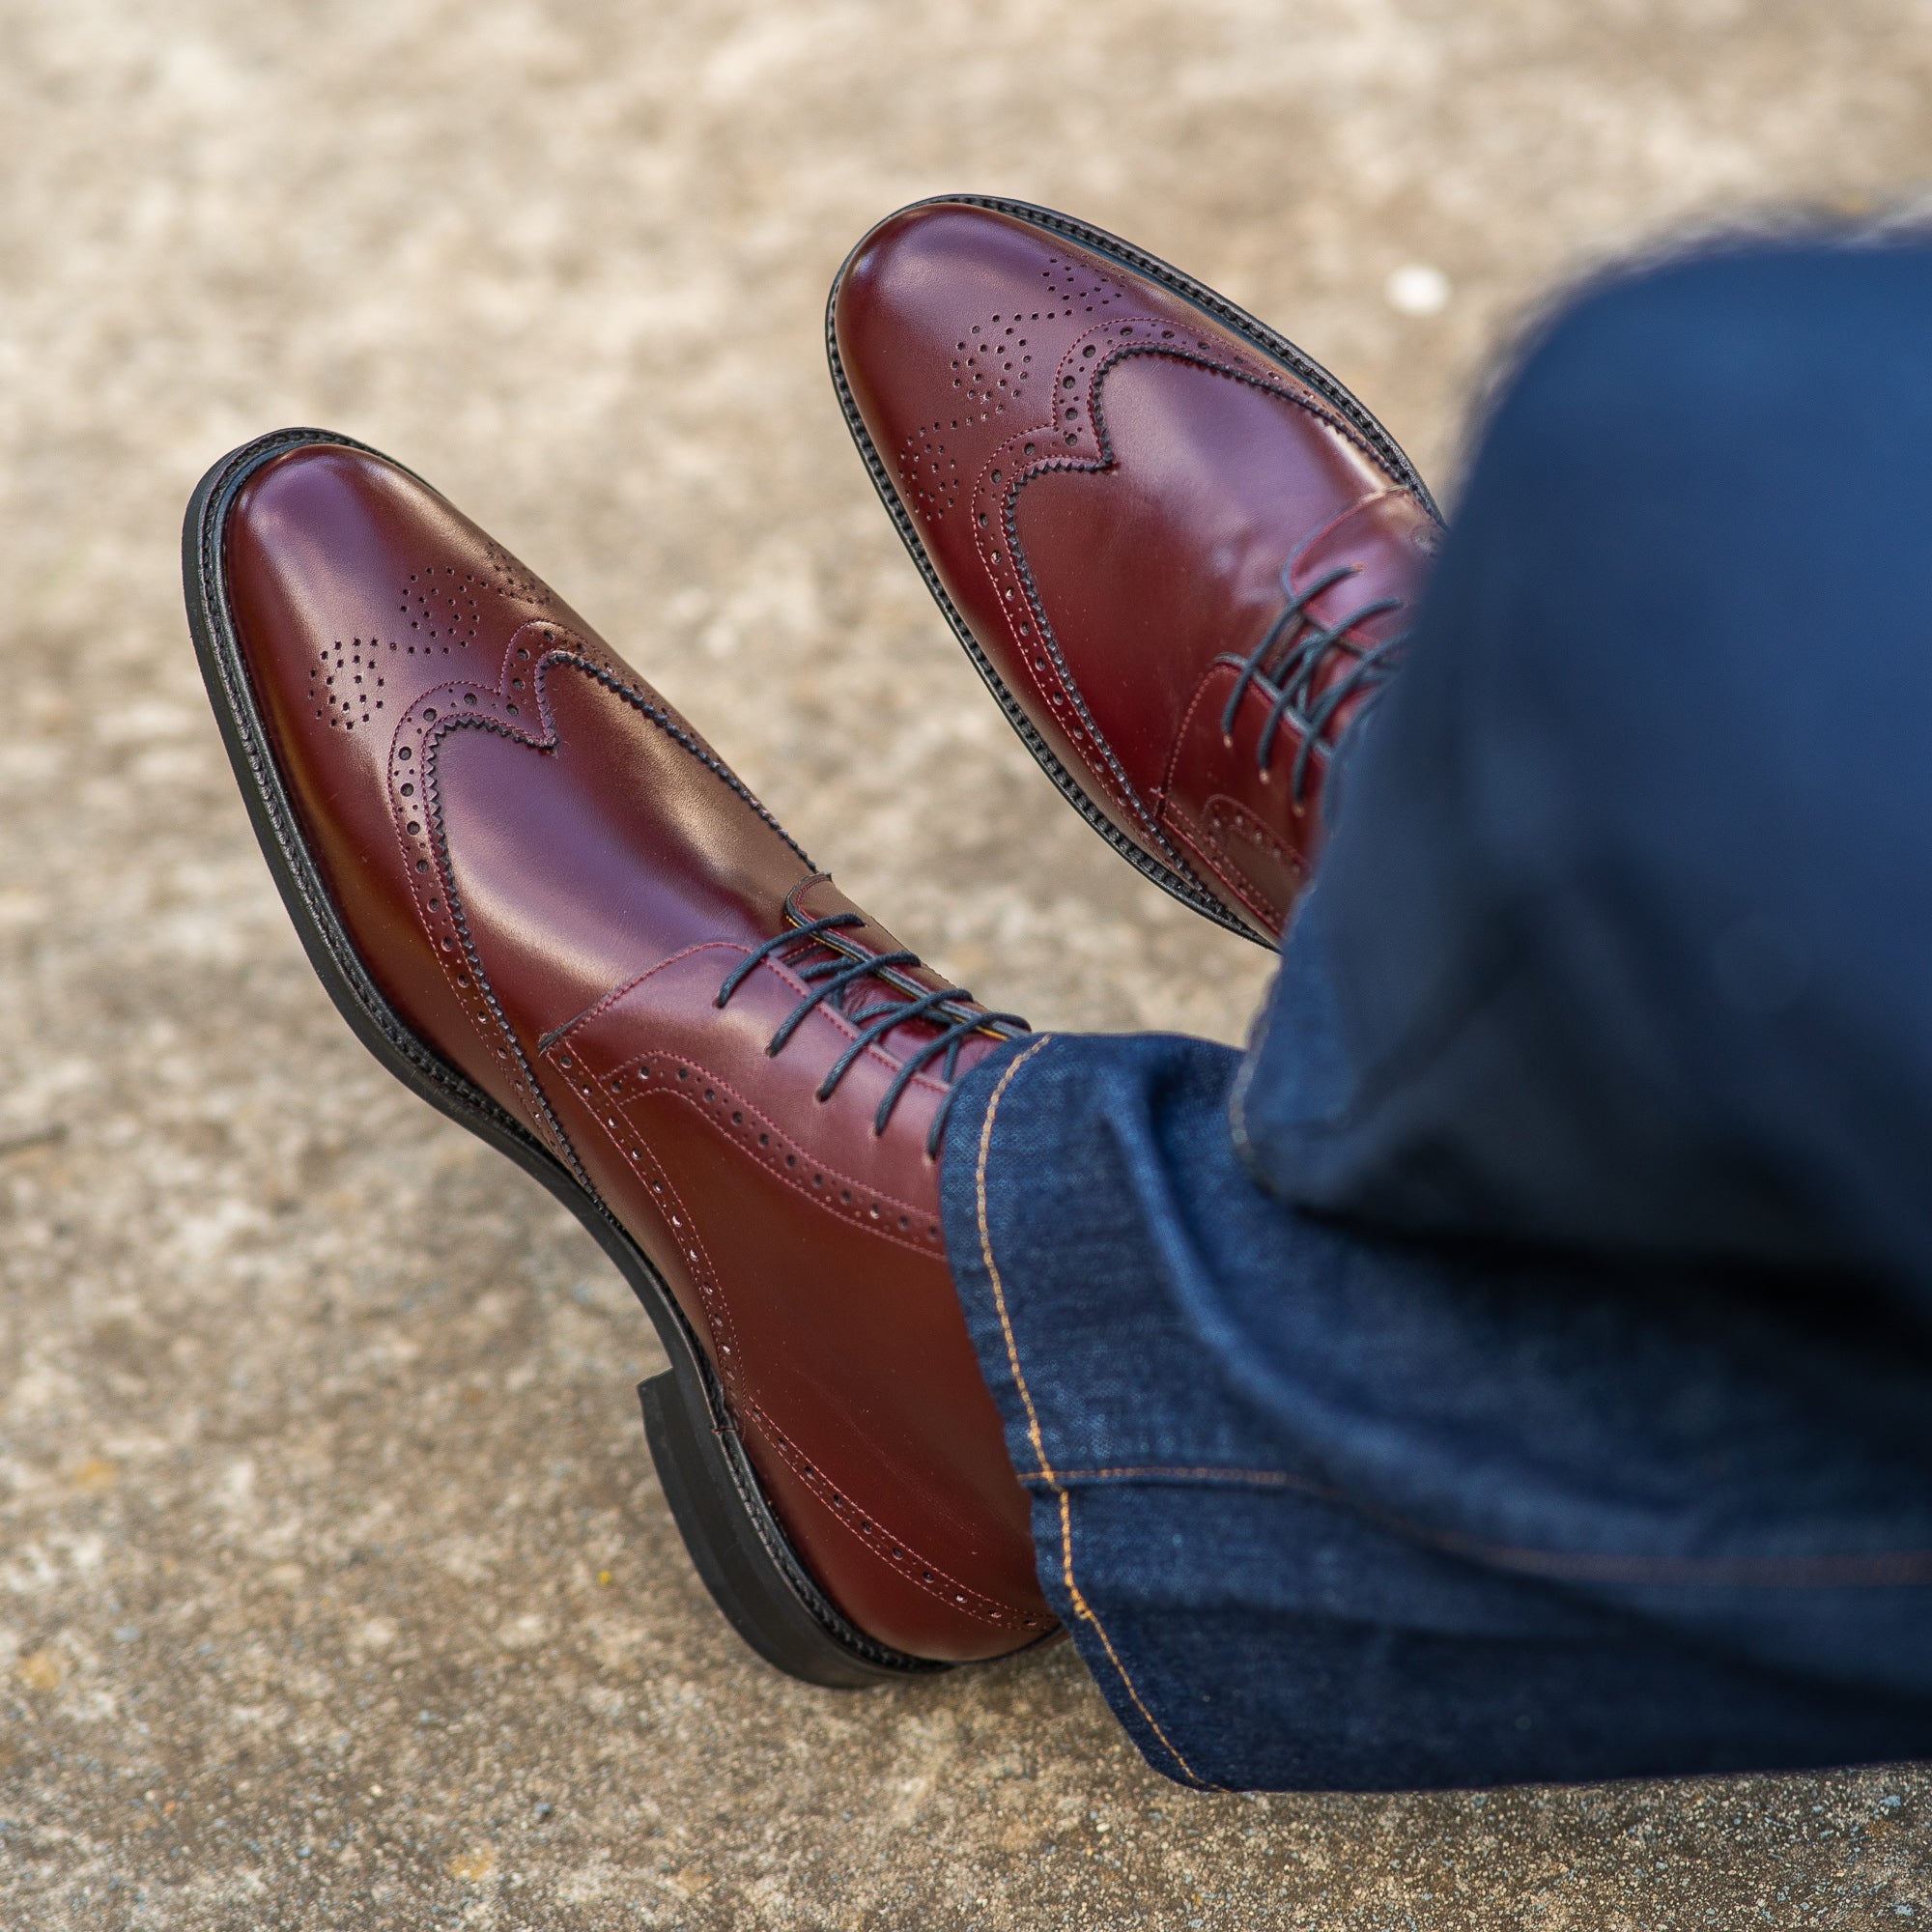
1390	540
816	898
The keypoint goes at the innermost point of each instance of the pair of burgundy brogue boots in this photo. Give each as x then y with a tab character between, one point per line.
1179	553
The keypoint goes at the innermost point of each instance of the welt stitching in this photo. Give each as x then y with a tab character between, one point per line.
1081	1607
917	1570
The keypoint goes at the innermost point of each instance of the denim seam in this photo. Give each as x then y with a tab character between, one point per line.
1205	1472
1044	1471
1877	1569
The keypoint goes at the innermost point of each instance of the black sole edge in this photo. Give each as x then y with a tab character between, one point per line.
1383	446
735	1543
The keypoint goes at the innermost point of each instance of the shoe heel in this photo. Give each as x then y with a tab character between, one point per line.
717	1509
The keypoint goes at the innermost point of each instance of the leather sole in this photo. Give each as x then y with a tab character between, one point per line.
1188	891
734	1540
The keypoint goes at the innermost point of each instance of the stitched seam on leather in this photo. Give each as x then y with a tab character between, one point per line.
876	1054
1249	699
895	977
1222	810
660	716
917	1570
1081	1607
854	1216
665	1196
1100	458
598	1008
1177	881
1372	437
264	783
1107	769
494	710
1223	870
476	996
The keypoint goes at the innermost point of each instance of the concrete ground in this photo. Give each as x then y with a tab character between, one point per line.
335	1589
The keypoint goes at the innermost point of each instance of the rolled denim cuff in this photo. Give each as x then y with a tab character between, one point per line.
1324	1511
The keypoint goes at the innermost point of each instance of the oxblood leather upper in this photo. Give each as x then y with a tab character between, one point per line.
550	876
1109	484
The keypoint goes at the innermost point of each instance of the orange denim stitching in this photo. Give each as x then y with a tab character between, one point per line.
1081	1607
1206	1472
1043	1470
1877	1569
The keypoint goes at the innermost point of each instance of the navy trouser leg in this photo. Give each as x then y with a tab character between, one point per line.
1622	939
1533	1383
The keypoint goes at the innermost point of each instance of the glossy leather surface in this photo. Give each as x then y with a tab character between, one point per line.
550	876
1109	484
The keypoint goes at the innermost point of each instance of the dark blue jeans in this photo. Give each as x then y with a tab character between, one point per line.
1519	1365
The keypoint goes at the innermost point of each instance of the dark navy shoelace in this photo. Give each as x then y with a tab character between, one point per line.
949	1009
1290	660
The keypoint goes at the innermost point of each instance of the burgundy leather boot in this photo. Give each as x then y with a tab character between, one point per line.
1177	549
545	904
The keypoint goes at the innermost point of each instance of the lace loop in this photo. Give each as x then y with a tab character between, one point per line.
1289	662
952	1008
